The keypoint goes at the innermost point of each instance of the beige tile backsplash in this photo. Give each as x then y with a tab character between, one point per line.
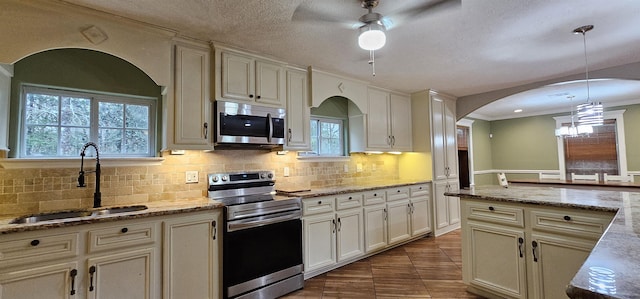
27	191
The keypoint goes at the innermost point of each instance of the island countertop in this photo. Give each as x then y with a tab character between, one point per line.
617	251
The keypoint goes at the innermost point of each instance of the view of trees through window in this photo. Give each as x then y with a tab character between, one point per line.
327	137
56	123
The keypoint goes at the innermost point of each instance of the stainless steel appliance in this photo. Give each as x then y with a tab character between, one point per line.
262	240
238	124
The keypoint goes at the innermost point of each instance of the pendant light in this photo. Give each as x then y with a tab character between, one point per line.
591	112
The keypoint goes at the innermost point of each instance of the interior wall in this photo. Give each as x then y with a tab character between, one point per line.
631	135
482	152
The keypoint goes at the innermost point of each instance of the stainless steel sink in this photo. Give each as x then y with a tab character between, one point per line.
76	214
117	210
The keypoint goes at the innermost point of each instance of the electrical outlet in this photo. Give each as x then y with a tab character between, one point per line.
286	171
359	167
192	176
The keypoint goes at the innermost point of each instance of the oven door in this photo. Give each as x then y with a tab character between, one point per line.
256	257
242	123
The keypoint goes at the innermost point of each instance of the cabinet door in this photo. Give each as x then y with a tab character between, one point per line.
350	234
238	77
270	85
378	136
401	122
555	262
298	111
191	262
398	221
375	227
420	219
441	204
192	118
124	275
496	259
51	282
319	241
453	203
450	135
438	138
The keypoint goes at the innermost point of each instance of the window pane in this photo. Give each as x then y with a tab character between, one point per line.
136	142
110	141
76	112
314	135
41	109
72	139
111	115
41	141
137	117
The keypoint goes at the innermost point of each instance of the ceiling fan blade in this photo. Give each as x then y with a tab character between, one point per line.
399	17
306	13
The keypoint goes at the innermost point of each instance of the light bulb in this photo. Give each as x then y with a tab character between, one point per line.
372	37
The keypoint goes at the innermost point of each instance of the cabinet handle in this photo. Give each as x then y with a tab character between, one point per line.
35	242
73	275
92	270
214	225
492	209
289	136
385	214
567	218
339	224
389	140
534	244
520	244
206	130
124	230
393	141
334	225
251	96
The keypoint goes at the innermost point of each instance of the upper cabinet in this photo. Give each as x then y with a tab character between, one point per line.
386	125
189	110
298	111
244	78
443	135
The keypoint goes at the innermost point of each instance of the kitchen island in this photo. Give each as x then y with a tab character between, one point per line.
612	268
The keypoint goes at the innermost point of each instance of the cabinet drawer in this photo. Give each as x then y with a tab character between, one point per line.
580	224
397	193
496	213
348	201
374	197
419	190
37	248
121	236
317	205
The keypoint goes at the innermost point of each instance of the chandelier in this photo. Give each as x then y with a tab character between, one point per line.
591	112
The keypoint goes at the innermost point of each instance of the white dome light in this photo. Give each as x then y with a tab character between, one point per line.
372	37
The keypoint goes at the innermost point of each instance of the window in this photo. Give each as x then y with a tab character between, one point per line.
57	123
327	137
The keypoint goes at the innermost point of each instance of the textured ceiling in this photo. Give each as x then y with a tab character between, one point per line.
478	46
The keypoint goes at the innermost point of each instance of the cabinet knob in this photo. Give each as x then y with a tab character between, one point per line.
124	230
35	242
350	198
398	191
319	202
257	97
567	218
375	194
251	96
492	209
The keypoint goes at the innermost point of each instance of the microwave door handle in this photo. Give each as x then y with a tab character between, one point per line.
270	135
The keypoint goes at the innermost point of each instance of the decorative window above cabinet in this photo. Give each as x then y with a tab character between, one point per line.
245	78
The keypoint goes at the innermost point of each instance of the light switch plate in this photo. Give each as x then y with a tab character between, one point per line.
192	176
359	167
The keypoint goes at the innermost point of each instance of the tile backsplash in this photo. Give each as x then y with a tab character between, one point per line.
34	190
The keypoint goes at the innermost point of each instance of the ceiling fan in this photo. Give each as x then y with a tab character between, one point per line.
372	25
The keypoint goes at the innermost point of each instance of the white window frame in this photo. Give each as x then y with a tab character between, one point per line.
96	98
622	147
323	119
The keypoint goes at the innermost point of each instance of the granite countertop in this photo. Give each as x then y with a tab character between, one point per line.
327	191
612	270
154	209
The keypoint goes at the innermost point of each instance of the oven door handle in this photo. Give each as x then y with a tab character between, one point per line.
269	120
260	221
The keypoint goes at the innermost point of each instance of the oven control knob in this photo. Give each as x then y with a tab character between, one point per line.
224	178
270	175
214	179
263	175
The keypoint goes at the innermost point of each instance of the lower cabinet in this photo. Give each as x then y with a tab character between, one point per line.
519	251
192	255
398	221
120	259
375	223
446	208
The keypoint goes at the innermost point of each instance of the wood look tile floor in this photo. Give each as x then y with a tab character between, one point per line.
425	268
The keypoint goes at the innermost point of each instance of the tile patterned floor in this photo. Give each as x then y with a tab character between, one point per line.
426	268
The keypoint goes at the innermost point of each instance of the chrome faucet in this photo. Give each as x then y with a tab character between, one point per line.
97	197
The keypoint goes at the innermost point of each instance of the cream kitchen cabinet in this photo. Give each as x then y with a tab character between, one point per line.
54	281
408	213
191	256
420	212
298	111
190	108
446	208
387	123
443	134
319	242
517	251
375	226
250	79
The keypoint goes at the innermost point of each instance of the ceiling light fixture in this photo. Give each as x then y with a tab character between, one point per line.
573	130
591	112
372	36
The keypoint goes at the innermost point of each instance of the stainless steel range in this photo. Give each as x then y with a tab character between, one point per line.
262	241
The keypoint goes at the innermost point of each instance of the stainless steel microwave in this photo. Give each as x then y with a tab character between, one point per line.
238	124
